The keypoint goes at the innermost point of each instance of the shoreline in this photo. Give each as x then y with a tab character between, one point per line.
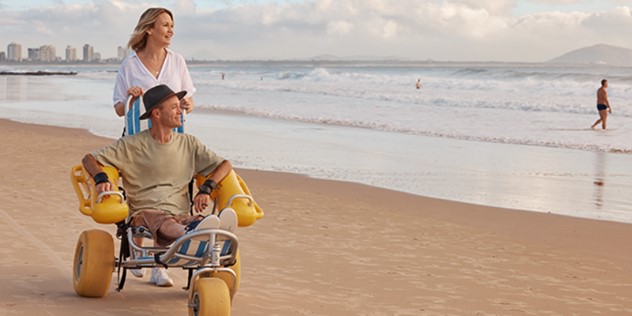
38	73
323	248
211	109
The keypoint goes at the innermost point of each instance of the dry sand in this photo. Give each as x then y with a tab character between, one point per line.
323	248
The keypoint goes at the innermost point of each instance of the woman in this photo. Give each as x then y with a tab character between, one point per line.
152	63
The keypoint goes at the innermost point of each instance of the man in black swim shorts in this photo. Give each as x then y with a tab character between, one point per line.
603	106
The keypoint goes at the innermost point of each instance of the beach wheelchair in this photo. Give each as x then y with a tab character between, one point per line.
210	254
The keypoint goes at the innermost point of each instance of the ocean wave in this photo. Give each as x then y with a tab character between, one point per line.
382	126
529	90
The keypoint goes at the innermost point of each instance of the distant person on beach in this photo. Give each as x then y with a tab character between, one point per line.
603	105
157	165
418	84
152	63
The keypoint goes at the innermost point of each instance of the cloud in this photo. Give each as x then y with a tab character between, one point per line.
556	1
232	29
103	24
339	27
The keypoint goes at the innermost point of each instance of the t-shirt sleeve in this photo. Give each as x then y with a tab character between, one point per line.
111	155
206	161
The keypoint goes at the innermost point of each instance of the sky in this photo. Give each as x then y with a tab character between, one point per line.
442	30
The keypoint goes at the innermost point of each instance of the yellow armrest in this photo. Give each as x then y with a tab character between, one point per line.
231	185
109	207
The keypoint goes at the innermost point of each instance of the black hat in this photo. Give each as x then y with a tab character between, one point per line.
154	96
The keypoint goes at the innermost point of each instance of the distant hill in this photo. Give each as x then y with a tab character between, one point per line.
597	54
325	57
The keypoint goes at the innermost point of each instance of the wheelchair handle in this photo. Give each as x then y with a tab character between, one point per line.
102	194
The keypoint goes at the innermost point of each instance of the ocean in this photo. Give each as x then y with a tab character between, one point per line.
501	134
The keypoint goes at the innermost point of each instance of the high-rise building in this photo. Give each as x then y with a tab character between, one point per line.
3	56
122	52
47	53
71	54
88	53
33	54
14	52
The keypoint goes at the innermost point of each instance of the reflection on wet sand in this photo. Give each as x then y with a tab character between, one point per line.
600	178
14	88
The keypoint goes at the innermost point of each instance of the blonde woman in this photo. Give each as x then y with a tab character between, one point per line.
152	62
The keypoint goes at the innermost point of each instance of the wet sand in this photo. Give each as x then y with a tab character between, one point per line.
323	248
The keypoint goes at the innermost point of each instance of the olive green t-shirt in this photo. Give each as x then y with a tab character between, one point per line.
156	175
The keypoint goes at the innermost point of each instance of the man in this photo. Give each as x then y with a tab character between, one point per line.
603	106
157	166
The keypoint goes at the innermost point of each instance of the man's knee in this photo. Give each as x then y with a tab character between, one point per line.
171	229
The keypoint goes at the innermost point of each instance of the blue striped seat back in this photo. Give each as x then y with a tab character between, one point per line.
133	123
195	248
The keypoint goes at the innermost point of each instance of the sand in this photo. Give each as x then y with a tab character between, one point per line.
323	248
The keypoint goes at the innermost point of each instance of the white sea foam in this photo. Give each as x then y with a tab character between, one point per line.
535	104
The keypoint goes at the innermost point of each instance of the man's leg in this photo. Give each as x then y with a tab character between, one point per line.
165	228
171	230
603	114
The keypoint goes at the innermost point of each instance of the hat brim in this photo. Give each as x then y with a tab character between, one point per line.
147	113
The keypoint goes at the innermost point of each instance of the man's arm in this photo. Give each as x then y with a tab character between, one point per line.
220	172
203	197
93	167
605	100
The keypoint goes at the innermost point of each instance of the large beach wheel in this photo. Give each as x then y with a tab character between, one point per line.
231	282
93	263
228	278
210	297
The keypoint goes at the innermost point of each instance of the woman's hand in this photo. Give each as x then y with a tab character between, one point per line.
135	91
187	104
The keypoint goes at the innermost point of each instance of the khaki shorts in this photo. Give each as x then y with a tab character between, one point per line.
154	219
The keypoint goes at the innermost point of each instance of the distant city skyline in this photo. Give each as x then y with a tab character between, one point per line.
16	52
447	30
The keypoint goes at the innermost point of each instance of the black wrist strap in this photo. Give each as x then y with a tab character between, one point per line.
207	187
101	177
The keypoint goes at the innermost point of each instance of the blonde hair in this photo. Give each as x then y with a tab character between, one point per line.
138	40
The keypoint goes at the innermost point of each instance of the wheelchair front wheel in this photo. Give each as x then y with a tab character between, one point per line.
210	297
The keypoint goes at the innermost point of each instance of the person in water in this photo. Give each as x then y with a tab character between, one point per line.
603	105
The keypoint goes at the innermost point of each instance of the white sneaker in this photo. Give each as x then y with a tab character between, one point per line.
139	273
228	220
208	222
160	277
